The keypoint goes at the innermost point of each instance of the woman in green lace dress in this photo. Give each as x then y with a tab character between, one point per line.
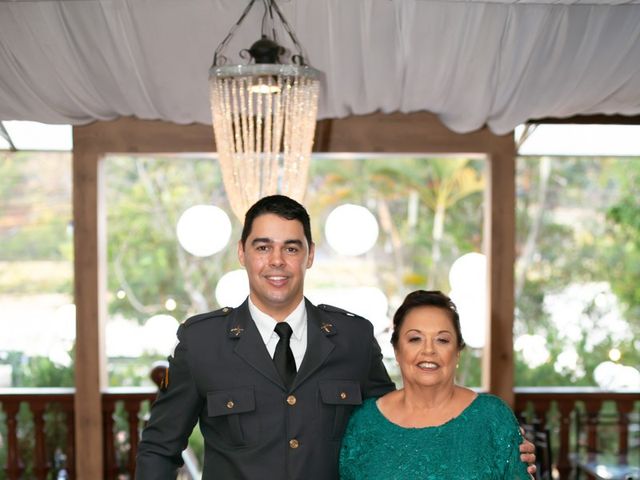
431	428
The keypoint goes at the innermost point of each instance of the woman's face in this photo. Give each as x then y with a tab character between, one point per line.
427	350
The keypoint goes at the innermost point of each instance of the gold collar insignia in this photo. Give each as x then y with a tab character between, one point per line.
236	331
327	327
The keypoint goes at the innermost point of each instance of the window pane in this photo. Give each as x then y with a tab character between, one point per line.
421	214
577	272
36	270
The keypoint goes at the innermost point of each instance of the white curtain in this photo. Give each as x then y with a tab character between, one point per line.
471	62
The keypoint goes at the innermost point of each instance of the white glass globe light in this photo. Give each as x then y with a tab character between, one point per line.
159	334
232	288
468	273
203	230
468	281
351	229
472	310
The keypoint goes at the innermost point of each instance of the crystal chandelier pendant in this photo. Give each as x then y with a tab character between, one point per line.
264	118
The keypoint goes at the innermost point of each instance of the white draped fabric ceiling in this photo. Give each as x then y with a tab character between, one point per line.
471	62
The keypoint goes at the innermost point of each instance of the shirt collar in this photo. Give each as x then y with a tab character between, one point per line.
297	320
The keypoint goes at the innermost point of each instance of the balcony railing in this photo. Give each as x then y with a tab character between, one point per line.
38	434
37	428
584	423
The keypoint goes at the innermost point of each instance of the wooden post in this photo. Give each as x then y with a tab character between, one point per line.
499	235
90	280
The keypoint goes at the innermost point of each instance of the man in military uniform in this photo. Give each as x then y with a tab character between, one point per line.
271	402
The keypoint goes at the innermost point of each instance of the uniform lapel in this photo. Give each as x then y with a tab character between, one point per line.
250	346
318	345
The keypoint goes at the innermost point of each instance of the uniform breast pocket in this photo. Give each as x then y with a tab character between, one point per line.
232	413
339	398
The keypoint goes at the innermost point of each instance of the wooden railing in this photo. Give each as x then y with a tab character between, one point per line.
25	442
574	415
26	411
127	406
569	413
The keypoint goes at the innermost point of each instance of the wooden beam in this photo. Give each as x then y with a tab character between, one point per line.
404	133
600	119
131	135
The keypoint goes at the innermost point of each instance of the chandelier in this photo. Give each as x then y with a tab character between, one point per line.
264	115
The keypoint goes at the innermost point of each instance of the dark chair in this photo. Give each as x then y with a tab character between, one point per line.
541	439
606	439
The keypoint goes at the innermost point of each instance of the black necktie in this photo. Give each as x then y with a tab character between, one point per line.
283	356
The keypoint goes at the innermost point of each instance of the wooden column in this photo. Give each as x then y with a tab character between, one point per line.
90	279
499	235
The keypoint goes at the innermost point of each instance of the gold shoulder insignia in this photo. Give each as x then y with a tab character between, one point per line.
164	383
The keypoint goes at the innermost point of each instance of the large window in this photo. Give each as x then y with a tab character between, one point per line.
577	273
383	226
36	270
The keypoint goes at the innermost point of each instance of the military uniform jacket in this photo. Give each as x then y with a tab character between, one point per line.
254	428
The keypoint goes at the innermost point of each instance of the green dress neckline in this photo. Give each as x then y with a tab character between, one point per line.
460	416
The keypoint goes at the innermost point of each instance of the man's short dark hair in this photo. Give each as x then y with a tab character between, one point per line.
281	206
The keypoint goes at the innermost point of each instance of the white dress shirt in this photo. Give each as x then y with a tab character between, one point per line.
297	320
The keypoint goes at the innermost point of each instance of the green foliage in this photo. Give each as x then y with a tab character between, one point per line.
35	201
37	371
562	213
145	198
411	251
469	371
624	254
132	372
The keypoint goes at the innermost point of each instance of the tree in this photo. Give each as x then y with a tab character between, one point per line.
564	240
624	218
145	198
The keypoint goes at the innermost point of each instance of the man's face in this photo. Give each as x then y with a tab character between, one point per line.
276	256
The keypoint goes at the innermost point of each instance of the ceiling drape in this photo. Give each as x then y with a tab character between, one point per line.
472	63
